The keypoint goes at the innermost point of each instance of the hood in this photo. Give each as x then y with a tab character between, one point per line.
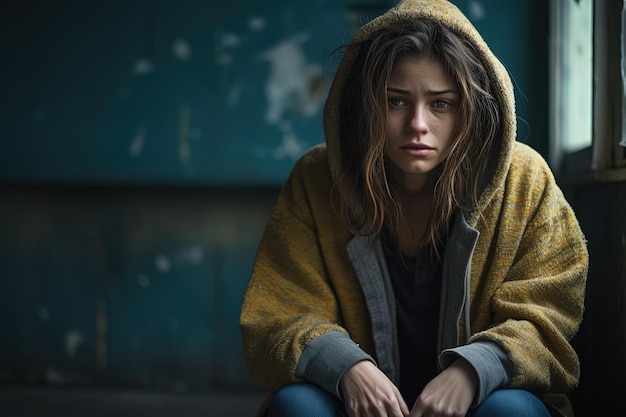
449	15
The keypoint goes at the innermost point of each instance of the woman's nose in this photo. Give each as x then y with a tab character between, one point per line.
418	121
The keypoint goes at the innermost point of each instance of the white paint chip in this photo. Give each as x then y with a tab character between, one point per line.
476	10
230	40
136	145
181	50
162	264
289	83
73	339
257	23
225	43
143	67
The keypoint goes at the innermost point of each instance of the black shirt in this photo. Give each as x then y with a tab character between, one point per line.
416	283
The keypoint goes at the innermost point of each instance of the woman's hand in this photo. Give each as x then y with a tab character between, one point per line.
368	392
449	394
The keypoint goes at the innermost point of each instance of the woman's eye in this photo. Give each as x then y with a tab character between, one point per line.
394	101
442	104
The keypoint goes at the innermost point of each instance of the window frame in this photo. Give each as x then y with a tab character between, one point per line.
605	159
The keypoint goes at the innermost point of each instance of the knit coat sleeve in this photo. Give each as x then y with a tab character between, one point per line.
535	301
289	300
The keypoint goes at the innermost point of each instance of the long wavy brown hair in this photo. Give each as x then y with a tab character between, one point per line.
364	195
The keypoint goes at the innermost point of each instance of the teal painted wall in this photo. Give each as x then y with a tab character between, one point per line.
126	287
191	92
176	92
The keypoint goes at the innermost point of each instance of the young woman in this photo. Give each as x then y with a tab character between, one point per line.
422	262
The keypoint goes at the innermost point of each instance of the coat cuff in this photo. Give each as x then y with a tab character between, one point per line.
326	359
490	362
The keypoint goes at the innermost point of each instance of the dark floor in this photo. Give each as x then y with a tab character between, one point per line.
43	402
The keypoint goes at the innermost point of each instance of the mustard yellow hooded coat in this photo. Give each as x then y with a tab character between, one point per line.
319	298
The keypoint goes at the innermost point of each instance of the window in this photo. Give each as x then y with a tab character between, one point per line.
571	77
588	85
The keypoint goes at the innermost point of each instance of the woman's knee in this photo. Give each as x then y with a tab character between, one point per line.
305	400
511	403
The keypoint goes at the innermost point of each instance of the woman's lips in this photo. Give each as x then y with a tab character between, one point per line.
418	149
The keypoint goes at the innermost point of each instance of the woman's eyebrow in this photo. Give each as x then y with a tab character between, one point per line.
398	90
430	93
437	93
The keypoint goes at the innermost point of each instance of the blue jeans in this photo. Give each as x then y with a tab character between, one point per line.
309	400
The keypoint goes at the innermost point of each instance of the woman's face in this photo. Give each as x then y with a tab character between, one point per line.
422	104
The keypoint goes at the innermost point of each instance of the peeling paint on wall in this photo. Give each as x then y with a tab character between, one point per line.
476	11
143	67
226	42
230	40
257	23
292	88
181	50
136	144
73	339
289	83
162	264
